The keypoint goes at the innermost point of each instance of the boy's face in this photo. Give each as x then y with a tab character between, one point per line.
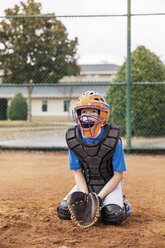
89	112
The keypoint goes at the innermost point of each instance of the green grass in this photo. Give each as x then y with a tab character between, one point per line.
4	122
9	122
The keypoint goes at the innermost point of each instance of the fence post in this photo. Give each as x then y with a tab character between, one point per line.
29	89
128	80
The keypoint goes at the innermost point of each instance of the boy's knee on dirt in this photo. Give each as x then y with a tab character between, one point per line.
113	214
63	211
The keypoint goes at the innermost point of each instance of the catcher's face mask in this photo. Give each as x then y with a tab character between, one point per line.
90	113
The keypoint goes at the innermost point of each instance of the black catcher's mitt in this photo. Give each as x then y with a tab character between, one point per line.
84	208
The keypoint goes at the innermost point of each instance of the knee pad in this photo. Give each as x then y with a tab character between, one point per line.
113	214
63	211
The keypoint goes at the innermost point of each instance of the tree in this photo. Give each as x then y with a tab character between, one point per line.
35	50
18	108
147	100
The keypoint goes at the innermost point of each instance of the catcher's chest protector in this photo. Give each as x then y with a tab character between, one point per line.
96	158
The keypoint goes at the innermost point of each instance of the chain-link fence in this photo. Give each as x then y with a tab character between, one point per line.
39	67
51	114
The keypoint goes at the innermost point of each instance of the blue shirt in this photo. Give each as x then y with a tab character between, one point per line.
118	161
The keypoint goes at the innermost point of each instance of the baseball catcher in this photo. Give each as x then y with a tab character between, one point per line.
96	157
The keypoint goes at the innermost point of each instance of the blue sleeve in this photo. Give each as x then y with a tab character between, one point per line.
74	162
118	160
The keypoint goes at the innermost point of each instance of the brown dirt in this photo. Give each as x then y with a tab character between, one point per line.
33	183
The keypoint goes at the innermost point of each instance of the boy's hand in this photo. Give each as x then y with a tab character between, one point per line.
84	208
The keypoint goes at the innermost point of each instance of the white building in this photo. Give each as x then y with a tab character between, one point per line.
55	102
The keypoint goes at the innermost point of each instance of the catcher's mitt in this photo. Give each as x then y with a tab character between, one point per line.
84	208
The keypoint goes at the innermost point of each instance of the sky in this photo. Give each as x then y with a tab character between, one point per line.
104	40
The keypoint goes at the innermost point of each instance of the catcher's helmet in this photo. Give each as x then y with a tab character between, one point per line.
91	100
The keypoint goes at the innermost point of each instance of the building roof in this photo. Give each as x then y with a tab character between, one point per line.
56	91
99	69
93	73
87	79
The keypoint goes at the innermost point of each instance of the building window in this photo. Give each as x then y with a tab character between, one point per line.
66	105
44	106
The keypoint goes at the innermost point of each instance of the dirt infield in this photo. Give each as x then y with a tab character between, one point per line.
33	183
